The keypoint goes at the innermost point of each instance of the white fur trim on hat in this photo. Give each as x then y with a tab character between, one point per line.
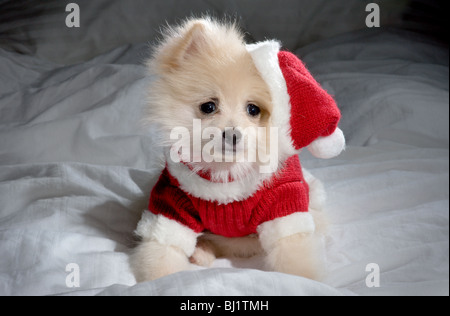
265	57
272	231
167	232
329	146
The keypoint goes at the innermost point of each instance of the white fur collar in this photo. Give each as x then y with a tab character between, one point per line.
223	193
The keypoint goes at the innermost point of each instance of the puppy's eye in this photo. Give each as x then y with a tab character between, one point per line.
253	110
208	107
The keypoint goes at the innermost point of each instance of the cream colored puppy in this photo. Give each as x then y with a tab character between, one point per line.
233	185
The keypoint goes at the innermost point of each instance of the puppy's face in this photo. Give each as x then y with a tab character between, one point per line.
207	83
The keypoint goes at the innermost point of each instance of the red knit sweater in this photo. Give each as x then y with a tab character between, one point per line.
284	194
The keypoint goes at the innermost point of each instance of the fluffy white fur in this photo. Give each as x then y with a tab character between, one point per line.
328	147
205	60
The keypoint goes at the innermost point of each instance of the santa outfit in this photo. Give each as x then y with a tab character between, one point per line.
184	204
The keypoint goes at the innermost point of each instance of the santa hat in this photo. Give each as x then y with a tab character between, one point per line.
305	113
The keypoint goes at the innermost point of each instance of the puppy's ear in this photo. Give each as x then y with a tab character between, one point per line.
194	41
190	40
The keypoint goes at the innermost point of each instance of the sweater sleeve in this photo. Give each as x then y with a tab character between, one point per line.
283	200
170	201
286	213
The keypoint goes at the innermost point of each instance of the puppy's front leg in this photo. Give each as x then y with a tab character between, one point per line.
292	246
152	260
298	254
165	247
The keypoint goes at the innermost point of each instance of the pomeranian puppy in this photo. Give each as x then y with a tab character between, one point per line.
226	168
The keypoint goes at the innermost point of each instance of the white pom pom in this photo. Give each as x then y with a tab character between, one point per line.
329	146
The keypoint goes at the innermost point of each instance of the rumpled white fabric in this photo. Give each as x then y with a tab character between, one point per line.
37	27
76	170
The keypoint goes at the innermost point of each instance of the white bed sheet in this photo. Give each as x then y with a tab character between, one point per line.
34	26
76	170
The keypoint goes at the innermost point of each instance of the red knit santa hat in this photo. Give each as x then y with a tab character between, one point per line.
306	114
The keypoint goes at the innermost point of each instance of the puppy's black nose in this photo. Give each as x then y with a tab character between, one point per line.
232	136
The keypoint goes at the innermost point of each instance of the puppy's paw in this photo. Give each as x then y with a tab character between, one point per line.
299	254
203	256
152	260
